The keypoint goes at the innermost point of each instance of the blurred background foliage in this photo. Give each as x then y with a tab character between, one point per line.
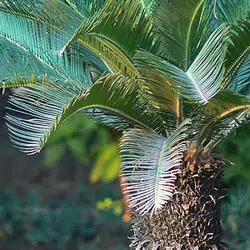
236	149
70	196
86	141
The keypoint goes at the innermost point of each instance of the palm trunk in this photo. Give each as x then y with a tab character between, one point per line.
192	219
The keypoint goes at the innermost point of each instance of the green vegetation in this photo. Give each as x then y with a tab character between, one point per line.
173	76
236	150
89	144
236	218
61	223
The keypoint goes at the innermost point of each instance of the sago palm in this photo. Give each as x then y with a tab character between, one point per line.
173	75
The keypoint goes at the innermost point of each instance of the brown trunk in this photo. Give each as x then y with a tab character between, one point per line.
191	220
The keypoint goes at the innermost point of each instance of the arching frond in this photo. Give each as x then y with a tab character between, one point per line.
120	96
184	27
158	91
224	113
115	32
34	49
107	119
52	13
86	8
150	165
227	126
19	67
238	56
207	71
39	110
230	11
148	4
205	75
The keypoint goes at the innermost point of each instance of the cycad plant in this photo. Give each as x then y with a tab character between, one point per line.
172	75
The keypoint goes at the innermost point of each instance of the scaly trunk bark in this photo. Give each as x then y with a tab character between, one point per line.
191	220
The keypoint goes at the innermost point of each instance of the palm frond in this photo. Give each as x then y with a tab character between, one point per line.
24	81
201	29
242	78
52	13
205	75
227	126
115	32
238	56
119	95
230	11
107	119
158	91
39	111
19	67
207	71
34	49
224	113
87	8
150	165
148	4
184	28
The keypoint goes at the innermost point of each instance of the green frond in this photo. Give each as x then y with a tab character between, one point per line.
227	126
205	75
230	11
148	4
39	111
184	27
150	165
238	56
242	78
119	95
115	32
17	82
224	113
34	49
107	119
158	91
207	70
114	57
53	13
19	67
87	8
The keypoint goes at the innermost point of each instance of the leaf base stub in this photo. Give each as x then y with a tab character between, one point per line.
192	219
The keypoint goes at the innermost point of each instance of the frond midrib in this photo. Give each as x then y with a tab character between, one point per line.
114	111
218	118
131	69
188	44
159	164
